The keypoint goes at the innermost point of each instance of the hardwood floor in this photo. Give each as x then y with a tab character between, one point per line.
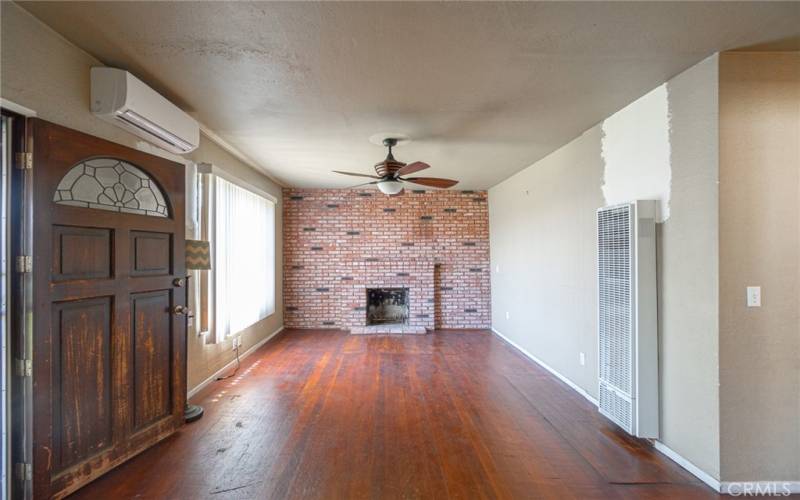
322	414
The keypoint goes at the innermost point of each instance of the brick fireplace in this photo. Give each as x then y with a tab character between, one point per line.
340	243
414	276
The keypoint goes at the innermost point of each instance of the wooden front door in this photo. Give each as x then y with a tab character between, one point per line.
109	338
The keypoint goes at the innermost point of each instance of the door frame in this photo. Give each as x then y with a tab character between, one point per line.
20	307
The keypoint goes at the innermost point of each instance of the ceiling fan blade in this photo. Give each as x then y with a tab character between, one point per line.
354	174
412	167
359	185
432	181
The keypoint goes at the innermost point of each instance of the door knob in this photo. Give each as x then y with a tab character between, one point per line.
180	310
178	282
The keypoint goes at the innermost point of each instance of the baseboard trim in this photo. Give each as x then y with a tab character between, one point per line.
689	466
202	385
544	365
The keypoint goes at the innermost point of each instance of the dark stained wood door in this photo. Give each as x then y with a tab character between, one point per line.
109	345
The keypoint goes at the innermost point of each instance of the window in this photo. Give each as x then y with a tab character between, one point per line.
110	184
241	226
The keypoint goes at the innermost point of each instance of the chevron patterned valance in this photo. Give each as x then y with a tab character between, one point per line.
198	254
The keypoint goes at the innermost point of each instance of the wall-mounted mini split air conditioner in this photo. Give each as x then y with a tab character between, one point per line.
627	317
120	98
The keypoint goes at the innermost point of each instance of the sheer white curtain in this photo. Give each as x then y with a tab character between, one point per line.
244	258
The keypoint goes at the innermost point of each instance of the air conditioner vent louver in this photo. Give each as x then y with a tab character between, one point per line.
153	131
627	338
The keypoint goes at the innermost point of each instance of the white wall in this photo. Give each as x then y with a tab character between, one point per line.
760	245
636	152
542	235
688	274
44	72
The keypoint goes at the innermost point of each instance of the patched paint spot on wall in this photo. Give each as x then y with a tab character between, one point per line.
636	152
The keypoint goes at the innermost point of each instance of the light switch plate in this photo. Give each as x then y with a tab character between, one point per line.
753	296
582	358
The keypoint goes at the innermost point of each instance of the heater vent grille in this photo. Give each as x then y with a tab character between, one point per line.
614	266
627	316
616	407
615	313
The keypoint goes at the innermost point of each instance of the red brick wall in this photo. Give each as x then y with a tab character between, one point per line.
339	242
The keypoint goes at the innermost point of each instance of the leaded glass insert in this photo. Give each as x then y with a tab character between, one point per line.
110	184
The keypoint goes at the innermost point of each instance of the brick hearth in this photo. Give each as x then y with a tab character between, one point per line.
338	243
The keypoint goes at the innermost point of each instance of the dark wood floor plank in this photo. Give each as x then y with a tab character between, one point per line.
464	465
451	415
610	451
510	424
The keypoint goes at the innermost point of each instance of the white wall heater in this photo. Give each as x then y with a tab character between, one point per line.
627	316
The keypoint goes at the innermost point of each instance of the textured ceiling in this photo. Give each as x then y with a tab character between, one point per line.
484	89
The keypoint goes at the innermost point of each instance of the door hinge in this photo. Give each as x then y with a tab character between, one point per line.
23	471
24	161
24	367
24	264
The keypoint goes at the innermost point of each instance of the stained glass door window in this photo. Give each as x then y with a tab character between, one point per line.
110	184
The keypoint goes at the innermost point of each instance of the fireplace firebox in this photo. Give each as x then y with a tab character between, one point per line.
387	306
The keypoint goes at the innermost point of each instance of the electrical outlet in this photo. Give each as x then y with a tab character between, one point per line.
582	358
508	315
753	296
235	343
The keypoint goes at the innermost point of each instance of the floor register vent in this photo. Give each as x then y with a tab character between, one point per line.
627	317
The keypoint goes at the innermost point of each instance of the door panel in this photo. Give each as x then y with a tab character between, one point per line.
152	253
108	353
82	368
81	253
152	347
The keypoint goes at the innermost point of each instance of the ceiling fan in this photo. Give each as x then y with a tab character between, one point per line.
389	172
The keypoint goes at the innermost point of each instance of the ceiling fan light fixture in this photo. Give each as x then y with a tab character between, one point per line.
390	187
392	173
